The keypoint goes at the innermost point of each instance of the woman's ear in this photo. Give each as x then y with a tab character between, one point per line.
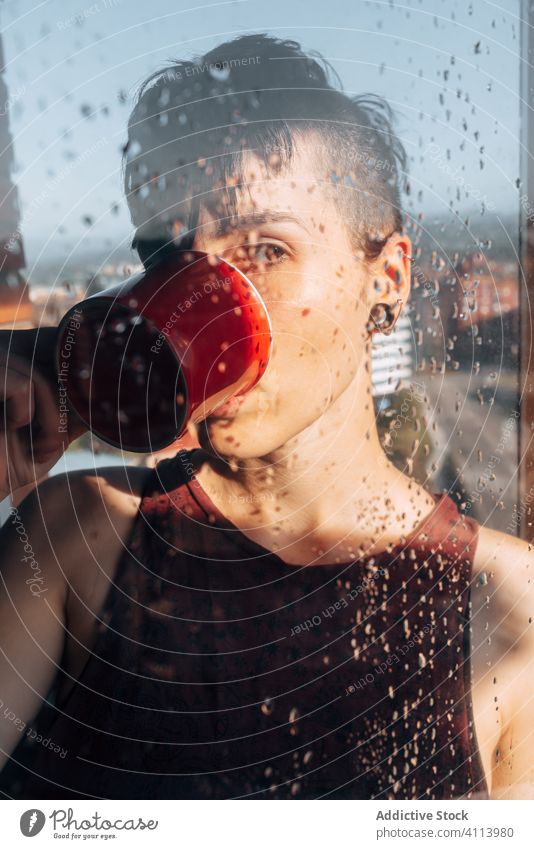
390	277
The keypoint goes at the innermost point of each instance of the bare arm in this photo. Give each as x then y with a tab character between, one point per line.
32	608
504	668
68	533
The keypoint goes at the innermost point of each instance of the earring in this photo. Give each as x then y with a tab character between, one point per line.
382	318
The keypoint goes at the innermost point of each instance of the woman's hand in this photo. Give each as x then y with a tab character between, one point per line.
33	434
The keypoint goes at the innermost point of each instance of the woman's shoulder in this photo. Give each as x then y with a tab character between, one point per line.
84	518
503	578
90	493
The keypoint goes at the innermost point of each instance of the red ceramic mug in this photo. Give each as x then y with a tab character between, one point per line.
140	360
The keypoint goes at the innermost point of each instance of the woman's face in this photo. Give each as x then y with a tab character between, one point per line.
290	241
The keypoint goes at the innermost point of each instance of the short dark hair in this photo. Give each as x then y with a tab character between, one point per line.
193	120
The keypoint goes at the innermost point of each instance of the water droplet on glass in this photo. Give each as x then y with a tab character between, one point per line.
220	72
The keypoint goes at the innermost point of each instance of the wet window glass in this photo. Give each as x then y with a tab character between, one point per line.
344	204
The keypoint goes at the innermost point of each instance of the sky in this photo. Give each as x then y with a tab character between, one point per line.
449	67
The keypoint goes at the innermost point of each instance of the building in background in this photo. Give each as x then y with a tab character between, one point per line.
393	358
15	305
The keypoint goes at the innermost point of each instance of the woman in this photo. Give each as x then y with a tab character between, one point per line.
279	612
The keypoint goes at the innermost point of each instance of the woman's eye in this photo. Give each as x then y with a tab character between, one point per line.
260	254
266	253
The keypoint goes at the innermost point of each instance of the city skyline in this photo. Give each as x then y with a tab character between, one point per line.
71	81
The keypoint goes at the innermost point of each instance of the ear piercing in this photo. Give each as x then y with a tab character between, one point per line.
382	318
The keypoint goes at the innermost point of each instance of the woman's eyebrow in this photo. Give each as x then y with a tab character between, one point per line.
252	220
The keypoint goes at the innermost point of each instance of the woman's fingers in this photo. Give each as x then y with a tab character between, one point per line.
17	393
49	430
34	434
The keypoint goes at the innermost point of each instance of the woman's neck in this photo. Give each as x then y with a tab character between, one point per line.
328	492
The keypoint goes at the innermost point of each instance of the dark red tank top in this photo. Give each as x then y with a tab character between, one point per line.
221	672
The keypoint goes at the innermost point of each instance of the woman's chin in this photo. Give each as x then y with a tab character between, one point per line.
236	437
